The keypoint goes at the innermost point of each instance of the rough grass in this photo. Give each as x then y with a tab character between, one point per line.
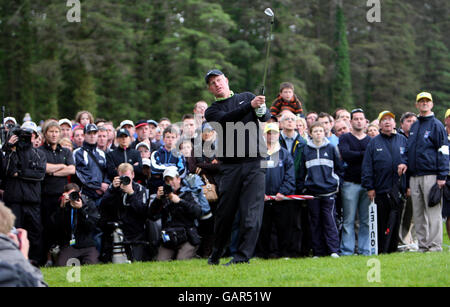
409	269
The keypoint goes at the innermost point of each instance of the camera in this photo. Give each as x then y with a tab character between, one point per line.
125	180
24	135
167	189
74	196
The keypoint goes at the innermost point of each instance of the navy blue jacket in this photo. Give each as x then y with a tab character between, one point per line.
87	171
427	148
280	173
321	169
379	167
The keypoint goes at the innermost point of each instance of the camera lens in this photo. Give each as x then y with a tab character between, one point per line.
125	180
74	196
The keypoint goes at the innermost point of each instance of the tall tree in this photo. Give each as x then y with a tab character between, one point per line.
342	81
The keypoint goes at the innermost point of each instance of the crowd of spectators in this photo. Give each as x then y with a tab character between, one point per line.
72	184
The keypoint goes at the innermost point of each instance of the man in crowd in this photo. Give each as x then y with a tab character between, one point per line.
294	144
406	233
199	113
90	165
23	172
327	121
178	210
111	135
241	174
311	117
102	140
125	202
280	181
124	154
78	136
165	157
341	127
76	220
352	147
66	128
428	165
406	121
60	165
383	166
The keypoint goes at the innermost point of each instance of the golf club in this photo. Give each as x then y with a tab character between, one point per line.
270	13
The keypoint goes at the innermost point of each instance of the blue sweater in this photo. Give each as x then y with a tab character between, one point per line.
427	148
352	151
383	155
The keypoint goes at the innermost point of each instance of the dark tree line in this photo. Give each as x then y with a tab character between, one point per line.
147	59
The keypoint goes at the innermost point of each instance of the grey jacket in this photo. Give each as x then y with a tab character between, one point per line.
10	255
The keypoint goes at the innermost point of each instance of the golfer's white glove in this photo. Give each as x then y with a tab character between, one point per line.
261	111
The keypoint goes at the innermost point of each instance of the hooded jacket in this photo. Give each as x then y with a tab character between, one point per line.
320	170
381	159
427	148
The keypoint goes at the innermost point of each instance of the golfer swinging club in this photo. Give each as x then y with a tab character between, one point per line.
241	178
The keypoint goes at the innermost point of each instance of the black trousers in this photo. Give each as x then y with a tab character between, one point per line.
276	218
241	188
28	217
49	206
389	216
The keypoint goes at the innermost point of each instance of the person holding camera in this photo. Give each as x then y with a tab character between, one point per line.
15	269
24	170
178	211
76	220
125	204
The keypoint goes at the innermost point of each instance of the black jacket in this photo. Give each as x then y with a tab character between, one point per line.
130	210
84	222
238	110
30	164
119	156
174	215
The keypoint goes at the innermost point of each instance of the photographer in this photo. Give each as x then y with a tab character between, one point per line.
24	169
125	203
15	269
178	211
76	219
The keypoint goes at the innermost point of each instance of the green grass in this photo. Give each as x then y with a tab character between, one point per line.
410	269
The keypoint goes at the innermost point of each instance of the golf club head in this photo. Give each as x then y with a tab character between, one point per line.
268	11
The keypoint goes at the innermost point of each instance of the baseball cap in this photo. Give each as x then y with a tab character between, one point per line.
142	144
152	122
122	132
424	95
214	72
126	122
65	121
271	127
10	118
146	162
141	123
171	171
447	114
380	116
30	125
90	128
